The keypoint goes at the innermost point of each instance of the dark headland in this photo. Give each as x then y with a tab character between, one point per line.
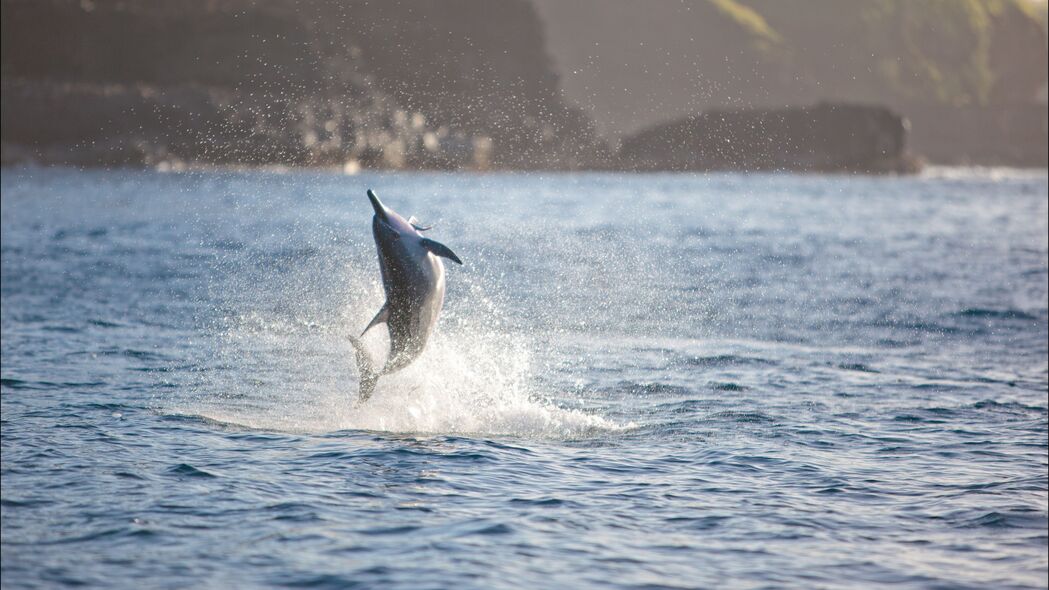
823	138
814	85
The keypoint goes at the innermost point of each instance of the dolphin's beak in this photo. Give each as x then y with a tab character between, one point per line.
380	209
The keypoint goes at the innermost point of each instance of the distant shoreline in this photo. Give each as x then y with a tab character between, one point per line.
825	137
929	171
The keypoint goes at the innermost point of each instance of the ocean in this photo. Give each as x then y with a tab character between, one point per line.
638	381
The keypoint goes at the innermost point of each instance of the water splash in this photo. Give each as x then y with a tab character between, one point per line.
283	363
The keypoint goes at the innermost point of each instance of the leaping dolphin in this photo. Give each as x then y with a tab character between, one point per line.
413	278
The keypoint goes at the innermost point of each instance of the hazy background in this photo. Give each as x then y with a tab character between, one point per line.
512	84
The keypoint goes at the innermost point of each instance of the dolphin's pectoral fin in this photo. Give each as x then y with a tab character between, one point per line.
415	223
380	318
439	249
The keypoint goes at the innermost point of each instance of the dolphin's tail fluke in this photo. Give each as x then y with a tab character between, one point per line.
366	372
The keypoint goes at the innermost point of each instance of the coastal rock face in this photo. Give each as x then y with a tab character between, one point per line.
979	63
823	138
672	58
475	84
391	84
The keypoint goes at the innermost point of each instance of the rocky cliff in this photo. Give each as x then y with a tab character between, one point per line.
822	138
983	63
480	84
462	83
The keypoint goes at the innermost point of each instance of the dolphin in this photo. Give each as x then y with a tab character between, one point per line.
413	278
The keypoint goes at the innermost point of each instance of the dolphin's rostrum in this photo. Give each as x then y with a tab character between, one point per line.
413	278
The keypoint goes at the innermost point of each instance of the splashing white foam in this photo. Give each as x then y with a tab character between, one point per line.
275	371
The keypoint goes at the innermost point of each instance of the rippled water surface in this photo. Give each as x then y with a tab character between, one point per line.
638	382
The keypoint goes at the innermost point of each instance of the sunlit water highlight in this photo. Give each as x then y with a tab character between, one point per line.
638	381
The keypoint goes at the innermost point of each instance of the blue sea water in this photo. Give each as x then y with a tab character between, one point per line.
638	381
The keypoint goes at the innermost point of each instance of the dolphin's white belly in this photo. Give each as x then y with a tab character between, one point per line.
432	298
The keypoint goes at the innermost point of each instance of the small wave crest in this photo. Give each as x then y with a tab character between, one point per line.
995	314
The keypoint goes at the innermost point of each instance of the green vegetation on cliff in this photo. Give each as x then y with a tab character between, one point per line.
635	64
955	52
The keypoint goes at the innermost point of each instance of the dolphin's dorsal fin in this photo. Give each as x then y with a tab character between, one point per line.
439	249
414	222
381	317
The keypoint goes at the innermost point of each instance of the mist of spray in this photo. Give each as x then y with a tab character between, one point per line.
277	356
